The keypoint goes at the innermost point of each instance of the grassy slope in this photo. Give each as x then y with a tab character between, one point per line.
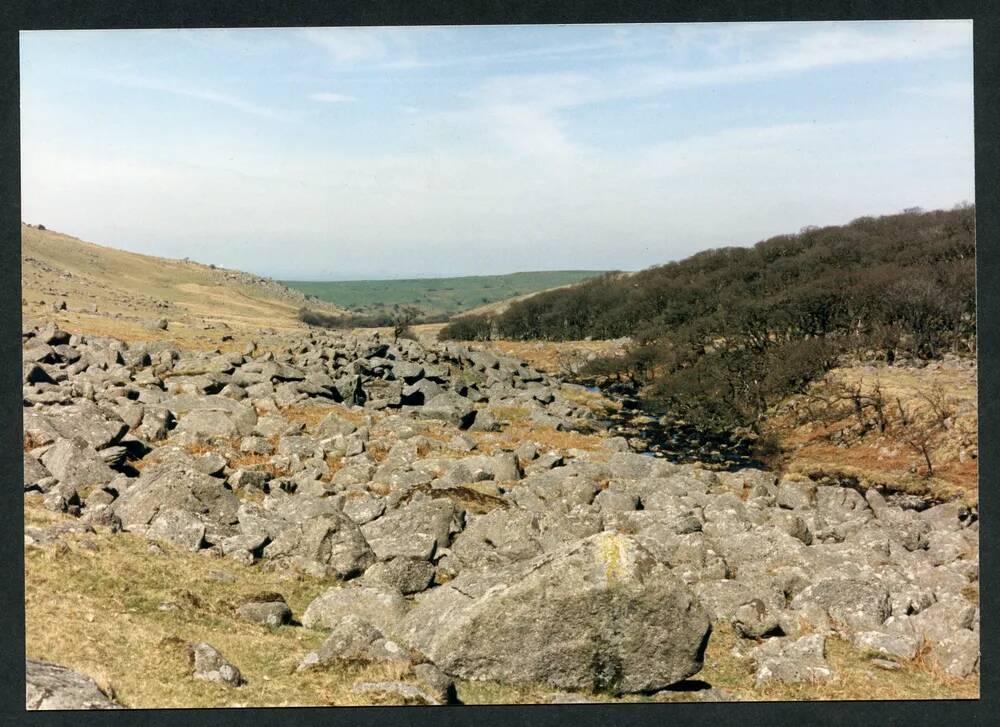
939	402
437	295
810	432
127	287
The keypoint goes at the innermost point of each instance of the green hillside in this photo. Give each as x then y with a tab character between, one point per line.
436	296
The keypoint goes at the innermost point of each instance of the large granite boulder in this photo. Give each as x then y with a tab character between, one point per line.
75	463
598	614
168	486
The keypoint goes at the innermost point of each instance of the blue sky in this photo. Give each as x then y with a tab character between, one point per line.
338	153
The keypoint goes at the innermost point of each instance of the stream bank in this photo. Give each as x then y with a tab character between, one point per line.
665	435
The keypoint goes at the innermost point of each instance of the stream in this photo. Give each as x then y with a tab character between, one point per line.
664	435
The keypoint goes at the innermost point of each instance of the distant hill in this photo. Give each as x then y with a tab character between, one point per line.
115	292
436	296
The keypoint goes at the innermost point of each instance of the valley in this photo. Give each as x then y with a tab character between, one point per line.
240	509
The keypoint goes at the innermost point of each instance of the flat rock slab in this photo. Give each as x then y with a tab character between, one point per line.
790	661
382	606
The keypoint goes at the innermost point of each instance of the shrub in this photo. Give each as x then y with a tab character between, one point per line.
468	328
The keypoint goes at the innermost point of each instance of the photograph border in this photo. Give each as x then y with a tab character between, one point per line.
107	14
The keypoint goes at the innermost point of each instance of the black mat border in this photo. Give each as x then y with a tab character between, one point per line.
95	14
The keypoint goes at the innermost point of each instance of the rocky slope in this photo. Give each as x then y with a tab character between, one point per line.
469	521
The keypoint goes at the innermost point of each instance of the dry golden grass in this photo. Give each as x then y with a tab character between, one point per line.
551	438
857	677
203	307
105	605
378	449
549	356
474	497
196	449
594	401
917	401
335	463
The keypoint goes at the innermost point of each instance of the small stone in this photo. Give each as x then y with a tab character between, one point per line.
272	612
212	666
886	664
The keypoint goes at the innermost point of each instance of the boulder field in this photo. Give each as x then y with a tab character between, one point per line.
464	555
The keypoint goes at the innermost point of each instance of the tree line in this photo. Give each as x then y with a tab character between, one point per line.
721	336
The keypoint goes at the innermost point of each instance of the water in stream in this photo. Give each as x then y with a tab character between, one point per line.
667	436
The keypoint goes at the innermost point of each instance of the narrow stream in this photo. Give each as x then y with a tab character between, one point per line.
661	434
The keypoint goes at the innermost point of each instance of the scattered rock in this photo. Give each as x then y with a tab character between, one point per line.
268	609
50	686
211	666
354	640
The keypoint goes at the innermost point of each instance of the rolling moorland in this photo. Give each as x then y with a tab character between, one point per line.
225	506
435	297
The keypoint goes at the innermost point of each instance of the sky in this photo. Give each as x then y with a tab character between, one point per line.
353	153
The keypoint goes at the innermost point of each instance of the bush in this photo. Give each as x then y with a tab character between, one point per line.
468	328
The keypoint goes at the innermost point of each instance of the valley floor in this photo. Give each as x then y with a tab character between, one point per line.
174	492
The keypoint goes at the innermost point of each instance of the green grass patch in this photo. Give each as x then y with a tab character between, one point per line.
436	296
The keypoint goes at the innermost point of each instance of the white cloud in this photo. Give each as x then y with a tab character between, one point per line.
523	111
841	44
458	211
326	97
952	91
203	94
347	45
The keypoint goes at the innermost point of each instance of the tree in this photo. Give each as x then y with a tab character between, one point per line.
401	319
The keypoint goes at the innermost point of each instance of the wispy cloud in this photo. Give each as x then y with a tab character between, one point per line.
203	94
615	42
523	110
327	97
348	45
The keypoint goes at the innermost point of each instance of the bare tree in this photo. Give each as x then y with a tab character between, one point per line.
402	318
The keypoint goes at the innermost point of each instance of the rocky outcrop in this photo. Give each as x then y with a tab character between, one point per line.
600	614
51	686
